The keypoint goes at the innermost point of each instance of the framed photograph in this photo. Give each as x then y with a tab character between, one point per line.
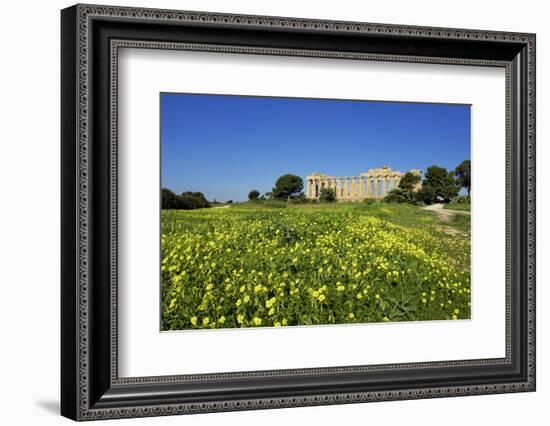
263	212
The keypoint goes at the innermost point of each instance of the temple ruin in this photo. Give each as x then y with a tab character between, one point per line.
376	183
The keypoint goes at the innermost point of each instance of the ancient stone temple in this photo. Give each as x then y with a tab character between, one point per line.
376	183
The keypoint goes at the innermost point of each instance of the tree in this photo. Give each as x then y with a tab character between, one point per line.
288	186
463	175
253	195
409	181
327	195
426	194
397	195
185	201
405	190
192	200
438	184
169	200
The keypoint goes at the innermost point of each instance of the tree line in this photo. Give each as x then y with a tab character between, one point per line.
438	185
184	201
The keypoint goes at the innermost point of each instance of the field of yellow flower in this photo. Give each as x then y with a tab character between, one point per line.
334	264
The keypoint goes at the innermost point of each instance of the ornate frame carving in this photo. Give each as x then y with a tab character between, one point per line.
91	388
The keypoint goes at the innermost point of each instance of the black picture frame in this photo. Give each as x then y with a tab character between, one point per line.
90	386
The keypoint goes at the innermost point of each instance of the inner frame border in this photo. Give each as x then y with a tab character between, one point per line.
117	44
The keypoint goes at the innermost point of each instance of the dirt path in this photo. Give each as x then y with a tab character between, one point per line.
222	207
444	214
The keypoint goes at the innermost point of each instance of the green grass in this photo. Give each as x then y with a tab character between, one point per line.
461	223
259	265
401	214
459	207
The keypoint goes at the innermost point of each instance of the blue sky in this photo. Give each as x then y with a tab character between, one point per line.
224	146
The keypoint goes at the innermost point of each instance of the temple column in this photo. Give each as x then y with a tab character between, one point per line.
317	187
361	187
372	184
384	187
308	188
369	186
346	187
373	187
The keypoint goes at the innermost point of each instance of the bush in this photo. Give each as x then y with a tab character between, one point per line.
327	195
394	197
425	195
298	200
369	200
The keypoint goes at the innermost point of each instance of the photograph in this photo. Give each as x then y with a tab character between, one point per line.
267	209
280	211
